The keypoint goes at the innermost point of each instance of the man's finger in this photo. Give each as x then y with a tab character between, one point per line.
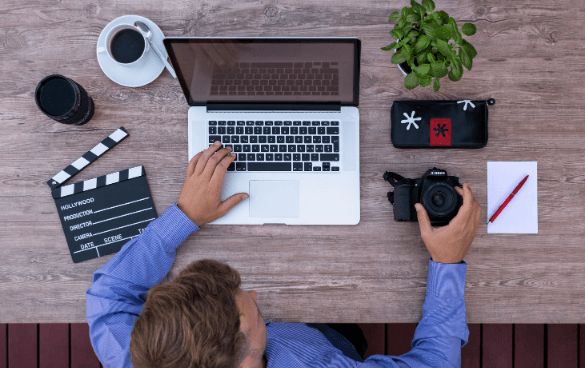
423	220
192	163
467	196
214	160
459	191
202	162
221	168
478	215
231	202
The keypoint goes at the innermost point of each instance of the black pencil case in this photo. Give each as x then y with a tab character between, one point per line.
440	124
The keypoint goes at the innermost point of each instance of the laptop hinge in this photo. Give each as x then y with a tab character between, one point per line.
273	107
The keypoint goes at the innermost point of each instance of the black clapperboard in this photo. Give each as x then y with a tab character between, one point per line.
100	215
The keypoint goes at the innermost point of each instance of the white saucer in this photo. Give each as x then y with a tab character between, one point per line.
133	76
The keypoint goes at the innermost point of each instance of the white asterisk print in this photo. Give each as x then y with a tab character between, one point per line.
466	103
410	120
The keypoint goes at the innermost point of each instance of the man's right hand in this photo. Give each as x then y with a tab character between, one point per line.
199	198
449	244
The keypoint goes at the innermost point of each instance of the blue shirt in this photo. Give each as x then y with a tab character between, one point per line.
116	297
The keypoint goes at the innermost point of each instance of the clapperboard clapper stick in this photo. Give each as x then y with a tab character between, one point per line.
100	215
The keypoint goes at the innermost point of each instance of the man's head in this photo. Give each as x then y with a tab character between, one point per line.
200	319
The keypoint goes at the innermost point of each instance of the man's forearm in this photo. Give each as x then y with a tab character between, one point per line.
443	329
146	259
119	288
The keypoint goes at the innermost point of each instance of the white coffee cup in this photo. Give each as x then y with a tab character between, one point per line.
107	50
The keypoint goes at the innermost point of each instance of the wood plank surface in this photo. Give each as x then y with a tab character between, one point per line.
22	345
53	345
529	346
471	352
562	346
497	346
82	354
399	338
530	59
3	346
581	346
375	334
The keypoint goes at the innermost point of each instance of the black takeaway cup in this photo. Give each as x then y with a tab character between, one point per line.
63	100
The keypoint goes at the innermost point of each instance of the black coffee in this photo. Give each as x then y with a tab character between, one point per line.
127	46
57	96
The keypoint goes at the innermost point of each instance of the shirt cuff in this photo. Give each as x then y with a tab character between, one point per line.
174	226
446	279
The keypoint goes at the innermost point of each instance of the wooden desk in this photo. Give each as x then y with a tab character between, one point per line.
531	60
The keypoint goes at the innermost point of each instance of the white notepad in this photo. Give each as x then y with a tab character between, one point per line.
520	215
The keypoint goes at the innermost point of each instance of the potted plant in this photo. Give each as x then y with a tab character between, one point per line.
423	50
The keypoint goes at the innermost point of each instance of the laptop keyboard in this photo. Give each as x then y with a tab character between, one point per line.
279	145
277	78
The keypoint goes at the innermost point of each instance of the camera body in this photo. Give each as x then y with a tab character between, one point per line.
435	191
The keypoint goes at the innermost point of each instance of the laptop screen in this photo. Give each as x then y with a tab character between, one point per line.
267	70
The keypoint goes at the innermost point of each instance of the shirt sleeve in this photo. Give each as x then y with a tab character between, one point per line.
117	294
442	332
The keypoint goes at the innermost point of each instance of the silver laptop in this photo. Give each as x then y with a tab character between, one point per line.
288	109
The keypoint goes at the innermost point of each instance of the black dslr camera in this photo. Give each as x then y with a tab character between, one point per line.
435	191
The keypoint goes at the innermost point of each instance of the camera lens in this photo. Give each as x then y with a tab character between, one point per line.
440	200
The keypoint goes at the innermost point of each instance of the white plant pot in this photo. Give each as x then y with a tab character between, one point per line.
402	70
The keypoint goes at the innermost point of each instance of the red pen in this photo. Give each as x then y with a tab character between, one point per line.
492	219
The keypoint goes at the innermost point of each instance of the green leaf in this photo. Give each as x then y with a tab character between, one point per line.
457	67
422	42
398	58
452	23
417	7
401	22
469	49
413	34
442	16
465	59
468	29
429	5
413	17
397	33
403	42
454	77
407	51
420	9
394	17
436	85
411	81
393	45
423	69
438	70
431	57
457	37
443	32
429	29
421	58
407	28
407	10
426	80
444	48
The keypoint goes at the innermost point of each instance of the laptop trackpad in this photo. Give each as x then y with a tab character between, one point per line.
274	198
